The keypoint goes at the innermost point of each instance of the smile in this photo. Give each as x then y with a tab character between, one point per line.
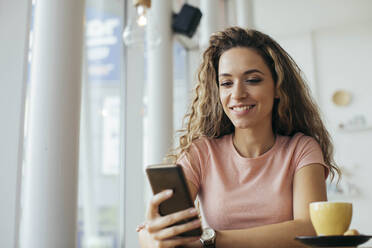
242	108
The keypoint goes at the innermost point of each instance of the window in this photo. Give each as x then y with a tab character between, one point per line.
99	165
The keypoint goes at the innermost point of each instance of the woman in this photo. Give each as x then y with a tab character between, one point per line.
254	149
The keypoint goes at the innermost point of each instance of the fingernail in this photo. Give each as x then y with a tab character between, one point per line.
193	211
168	192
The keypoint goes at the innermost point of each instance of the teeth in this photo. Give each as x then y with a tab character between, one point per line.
243	108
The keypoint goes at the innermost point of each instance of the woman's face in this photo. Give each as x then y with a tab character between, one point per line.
246	88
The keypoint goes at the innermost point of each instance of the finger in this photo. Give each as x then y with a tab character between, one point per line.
168	220
173	231
155	201
178	241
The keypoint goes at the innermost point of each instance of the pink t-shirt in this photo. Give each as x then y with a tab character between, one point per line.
237	192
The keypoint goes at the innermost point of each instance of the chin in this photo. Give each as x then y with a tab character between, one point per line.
243	125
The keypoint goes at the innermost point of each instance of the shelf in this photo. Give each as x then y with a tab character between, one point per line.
354	129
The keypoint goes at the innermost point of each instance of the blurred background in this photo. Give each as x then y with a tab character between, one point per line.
135	69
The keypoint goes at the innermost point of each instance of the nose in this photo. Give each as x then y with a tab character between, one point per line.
239	91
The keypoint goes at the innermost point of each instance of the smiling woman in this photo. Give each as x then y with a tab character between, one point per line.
254	149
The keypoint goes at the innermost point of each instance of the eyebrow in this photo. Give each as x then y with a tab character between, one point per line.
245	73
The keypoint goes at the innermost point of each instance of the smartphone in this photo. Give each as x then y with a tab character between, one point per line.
171	176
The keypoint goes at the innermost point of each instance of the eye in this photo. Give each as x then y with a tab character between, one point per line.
225	83
253	80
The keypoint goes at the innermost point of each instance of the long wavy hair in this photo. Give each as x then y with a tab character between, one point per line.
295	112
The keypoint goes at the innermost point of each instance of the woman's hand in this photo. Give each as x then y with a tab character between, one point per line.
158	231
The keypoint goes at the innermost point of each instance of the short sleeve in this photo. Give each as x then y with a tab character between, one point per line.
308	151
191	165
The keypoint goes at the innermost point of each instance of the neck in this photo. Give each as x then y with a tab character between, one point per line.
252	143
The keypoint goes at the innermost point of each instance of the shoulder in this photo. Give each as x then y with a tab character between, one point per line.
304	150
300	146
298	141
204	147
208	143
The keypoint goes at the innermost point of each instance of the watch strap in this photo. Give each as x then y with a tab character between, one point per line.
210	245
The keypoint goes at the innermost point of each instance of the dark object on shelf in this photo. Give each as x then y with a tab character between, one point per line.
187	20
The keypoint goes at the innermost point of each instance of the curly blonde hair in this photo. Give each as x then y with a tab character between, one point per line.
295	112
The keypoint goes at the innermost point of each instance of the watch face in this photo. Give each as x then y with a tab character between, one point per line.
208	233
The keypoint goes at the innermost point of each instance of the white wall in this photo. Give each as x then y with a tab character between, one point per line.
301	47
14	26
332	42
298	16
344	62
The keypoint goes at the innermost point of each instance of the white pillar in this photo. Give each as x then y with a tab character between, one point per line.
244	13
50	216
132	178
15	28
160	82
209	21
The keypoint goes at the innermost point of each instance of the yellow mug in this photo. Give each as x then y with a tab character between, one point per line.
331	218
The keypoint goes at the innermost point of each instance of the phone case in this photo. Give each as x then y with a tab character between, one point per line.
171	176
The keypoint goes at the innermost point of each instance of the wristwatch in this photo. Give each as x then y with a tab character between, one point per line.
208	238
